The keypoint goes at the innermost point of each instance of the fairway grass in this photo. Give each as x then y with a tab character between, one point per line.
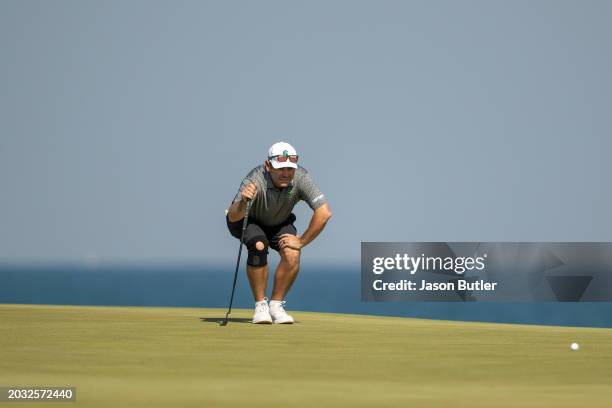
180	357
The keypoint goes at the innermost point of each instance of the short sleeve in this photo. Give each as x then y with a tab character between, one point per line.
254	176
310	193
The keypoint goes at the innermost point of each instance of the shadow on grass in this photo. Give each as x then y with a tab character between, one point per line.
230	320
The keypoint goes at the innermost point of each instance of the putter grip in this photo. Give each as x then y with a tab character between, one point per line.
246	215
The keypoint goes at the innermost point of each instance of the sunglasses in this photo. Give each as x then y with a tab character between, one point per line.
282	158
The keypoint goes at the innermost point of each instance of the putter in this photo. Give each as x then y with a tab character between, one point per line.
244	225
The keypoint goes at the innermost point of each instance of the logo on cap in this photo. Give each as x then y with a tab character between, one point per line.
286	153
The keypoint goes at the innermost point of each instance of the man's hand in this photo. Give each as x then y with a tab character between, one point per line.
249	192
290	241
236	211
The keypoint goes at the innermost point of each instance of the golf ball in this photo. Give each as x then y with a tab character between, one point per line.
574	346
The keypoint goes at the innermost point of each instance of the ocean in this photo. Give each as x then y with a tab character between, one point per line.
319	288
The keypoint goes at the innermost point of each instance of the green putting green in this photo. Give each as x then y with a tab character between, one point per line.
165	357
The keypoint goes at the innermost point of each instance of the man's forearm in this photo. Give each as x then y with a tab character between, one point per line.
236	211
317	223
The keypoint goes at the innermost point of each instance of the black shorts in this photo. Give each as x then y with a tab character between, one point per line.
253	229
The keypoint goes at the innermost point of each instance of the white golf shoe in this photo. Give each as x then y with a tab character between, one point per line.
278	313
262	312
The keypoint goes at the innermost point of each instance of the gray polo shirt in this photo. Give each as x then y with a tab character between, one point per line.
272	205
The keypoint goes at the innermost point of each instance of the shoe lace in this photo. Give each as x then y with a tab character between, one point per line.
262	306
281	306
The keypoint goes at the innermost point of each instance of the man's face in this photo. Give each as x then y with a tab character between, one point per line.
280	177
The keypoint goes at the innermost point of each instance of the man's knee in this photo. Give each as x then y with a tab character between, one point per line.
258	251
291	256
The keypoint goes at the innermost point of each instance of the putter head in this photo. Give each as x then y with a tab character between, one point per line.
223	322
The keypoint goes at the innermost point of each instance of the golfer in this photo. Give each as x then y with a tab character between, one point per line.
275	188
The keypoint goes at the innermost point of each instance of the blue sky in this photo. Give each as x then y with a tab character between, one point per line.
127	126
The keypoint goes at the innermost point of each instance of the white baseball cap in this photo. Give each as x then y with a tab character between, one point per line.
282	149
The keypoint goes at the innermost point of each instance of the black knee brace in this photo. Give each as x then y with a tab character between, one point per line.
257	257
